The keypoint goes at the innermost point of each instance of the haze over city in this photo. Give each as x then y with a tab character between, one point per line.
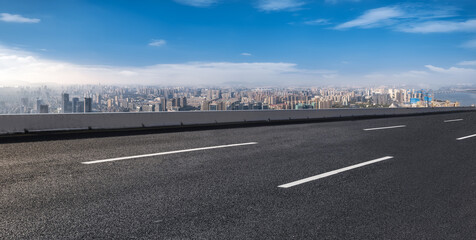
262	43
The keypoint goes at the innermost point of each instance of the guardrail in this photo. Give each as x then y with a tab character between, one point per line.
10	124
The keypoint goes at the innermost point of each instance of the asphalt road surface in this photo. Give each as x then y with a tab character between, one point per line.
393	178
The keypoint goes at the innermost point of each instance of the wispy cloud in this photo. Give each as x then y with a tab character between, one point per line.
246	54
373	18
469	44
320	21
157	43
441	27
451	70
280	5
197	3
467	63
412	18
15	18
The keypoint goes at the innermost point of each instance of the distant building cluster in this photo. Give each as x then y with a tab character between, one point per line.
76	106
154	99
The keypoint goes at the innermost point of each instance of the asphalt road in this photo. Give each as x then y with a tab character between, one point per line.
424	189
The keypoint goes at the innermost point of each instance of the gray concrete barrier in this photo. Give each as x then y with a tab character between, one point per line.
56	122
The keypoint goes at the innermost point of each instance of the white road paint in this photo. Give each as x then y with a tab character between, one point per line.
380	128
171	152
470	136
327	174
453	120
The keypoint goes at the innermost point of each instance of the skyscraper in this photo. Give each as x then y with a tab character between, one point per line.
38	104
205	106
67	105
163	102
80	107
75	104
183	102
88	104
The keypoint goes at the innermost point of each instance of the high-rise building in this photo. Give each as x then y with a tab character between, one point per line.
43	108
38	104
223	106
325	104
80	107
88	102
183	102
205	105
381	99
158	107
75	104
67	105
163	102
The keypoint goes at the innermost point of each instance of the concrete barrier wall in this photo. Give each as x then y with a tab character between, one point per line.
55	122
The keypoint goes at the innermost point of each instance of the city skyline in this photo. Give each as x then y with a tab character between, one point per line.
267	43
109	98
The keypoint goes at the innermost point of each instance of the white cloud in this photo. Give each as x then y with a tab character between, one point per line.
197	3
451	70
19	66
320	21
157	43
441	27
467	63
280	5
470	44
6	17
372	18
412	18
246	54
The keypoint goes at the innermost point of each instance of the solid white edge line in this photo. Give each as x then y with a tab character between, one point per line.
379	128
170	152
327	174
470	136
453	120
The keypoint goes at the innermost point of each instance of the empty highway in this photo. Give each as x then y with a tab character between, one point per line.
392	178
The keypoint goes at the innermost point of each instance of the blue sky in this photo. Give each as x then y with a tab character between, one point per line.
255	42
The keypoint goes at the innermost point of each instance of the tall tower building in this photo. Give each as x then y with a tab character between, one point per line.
80	107
205	106
75	104
67	105
38	104
88	102
183	102
163	102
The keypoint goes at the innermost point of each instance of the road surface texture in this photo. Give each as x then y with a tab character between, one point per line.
392	178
